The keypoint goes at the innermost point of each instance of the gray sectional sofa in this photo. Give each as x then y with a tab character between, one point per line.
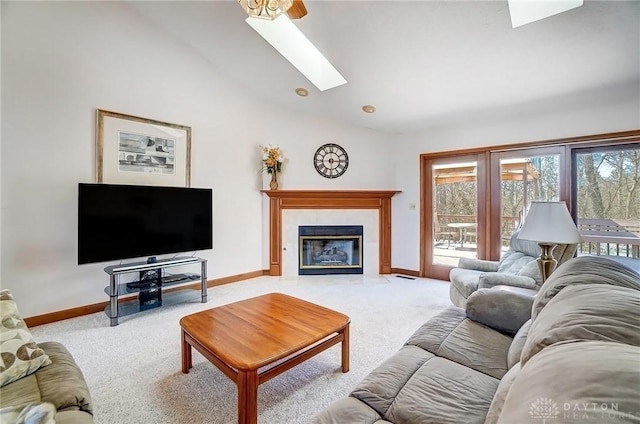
576	360
59	385
40	383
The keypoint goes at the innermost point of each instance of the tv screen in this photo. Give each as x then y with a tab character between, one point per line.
126	221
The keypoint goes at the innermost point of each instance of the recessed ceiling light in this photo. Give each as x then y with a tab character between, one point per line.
302	92
368	108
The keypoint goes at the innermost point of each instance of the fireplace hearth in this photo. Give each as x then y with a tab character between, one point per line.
330	249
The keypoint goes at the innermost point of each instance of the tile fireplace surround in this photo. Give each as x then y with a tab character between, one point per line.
327	207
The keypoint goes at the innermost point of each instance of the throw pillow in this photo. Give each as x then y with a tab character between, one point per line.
19	353
31	413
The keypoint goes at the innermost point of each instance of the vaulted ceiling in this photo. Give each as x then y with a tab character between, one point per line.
424	63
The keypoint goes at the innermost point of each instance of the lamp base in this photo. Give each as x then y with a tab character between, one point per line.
546	262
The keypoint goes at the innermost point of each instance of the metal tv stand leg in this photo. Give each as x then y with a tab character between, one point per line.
203	281
114	281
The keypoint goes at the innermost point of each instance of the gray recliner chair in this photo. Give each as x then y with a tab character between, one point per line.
516	271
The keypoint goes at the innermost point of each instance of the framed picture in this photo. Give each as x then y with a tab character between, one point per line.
141	151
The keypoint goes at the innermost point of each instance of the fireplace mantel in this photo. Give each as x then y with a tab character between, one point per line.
328	199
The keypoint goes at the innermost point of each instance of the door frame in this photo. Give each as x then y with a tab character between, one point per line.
481	158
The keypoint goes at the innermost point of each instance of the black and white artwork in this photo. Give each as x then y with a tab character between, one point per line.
141	151
146	154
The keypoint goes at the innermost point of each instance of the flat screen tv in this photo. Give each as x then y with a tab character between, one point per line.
126	221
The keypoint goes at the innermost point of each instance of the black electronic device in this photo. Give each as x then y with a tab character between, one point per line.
126	221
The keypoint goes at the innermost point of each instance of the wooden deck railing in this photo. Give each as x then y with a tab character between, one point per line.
601	236
509	224
608	237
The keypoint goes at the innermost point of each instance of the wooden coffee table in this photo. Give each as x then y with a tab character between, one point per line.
244	338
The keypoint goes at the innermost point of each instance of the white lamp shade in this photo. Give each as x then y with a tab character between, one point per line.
550	222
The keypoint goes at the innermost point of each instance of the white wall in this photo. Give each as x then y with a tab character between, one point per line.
63	60
607	109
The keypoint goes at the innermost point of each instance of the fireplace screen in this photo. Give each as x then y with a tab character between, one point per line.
330	249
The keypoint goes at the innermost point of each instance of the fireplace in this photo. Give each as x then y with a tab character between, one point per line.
329	207
330	249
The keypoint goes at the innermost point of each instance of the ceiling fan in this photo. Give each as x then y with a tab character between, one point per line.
271	9
297	10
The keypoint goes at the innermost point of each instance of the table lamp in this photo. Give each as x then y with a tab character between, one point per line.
550	224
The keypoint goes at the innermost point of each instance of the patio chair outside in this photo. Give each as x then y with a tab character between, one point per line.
442	232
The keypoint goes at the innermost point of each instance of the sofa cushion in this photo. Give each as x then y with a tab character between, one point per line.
19	353
24	390
435	331
453	336
519	340
528	247
488	280
577	382
512	262
579	313
501	394
531	269
348	410
585	270
438	393
380	388
29	413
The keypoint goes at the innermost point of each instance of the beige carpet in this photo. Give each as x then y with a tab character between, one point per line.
133	370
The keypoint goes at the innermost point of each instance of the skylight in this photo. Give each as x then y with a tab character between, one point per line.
291	43
526	11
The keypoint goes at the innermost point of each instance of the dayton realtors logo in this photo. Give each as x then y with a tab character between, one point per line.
543	409
547	409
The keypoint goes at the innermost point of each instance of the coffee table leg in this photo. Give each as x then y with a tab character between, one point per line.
247	397
186	354
345	349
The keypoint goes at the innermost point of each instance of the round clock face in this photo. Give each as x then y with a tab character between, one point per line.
331	160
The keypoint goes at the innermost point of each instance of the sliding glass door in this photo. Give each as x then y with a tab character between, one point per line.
606	200
452	221
518	178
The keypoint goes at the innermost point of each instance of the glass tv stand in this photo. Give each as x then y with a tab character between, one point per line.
154	286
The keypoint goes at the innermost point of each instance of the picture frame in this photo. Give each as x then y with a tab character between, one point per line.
141	151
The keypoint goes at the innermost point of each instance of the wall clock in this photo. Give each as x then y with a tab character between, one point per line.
331	160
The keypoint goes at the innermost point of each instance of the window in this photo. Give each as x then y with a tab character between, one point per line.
607	200
473	200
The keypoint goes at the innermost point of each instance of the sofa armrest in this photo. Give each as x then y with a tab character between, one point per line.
62	382
492	279
478	264
503	310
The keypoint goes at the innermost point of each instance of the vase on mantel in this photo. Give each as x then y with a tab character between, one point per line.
273	185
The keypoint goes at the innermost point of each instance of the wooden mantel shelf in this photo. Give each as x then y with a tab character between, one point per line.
328	199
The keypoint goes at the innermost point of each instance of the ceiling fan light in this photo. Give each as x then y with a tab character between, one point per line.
265	9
